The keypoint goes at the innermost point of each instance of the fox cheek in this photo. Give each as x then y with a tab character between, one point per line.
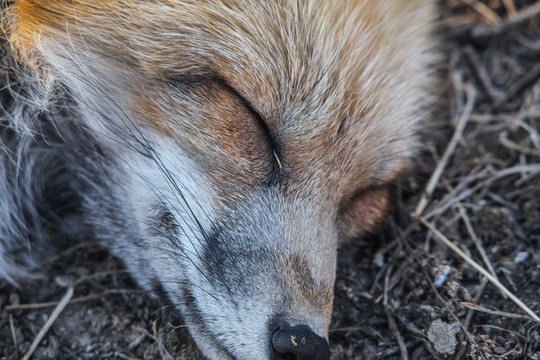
364	212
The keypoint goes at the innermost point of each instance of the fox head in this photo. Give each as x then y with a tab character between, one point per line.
246	138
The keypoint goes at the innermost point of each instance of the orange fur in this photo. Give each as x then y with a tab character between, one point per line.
222	132
329	105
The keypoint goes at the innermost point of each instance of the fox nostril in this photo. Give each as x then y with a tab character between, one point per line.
298	342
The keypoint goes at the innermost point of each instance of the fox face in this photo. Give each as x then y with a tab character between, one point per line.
238	142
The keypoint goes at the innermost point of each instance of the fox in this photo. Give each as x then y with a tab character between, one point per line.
221	148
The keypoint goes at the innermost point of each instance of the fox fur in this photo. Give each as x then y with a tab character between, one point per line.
219	147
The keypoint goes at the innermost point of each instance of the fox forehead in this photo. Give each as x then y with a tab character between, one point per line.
291	43
324	75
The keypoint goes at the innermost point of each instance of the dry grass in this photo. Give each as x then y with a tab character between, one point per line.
467	250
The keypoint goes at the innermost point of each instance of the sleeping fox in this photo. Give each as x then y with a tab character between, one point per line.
221	148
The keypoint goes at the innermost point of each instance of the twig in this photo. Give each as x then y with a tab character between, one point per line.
518	169
55	314
42	305
124	354
480	308
392	322
513	332
483	10
496	95
347	328
491	177
531	76
533	133
162	350
13	335
470	313
480	269
510	8
519	18
395	350
503	138
448	308
458	132
476	300
476	241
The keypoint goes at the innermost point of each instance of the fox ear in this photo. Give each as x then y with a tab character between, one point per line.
60	34
364	212
30	23
69	41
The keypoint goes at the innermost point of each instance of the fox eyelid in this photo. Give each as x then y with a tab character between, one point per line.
186	84
277	173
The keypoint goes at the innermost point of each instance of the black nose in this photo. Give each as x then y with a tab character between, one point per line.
298	342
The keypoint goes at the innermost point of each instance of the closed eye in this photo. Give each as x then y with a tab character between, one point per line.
217	127
277	171
364	211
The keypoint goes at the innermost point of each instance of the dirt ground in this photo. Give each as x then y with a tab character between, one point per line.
400	293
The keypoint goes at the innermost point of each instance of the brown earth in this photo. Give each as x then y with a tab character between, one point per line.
400	293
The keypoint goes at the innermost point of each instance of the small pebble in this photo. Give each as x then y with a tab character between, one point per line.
442	275
443	336
379	260
521	257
